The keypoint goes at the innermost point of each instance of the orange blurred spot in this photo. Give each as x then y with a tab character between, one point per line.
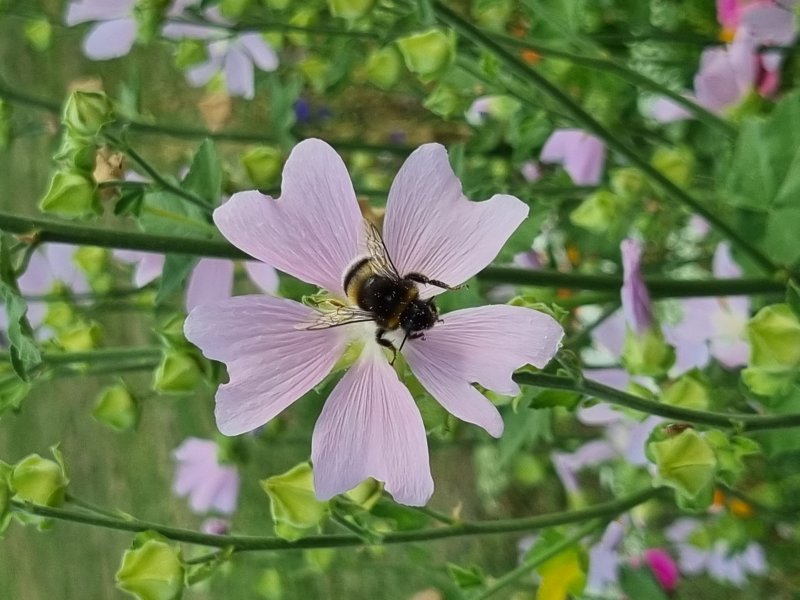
574	255
719	499
531	57
726	35
740	508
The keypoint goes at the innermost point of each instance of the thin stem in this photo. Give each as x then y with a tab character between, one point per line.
595	389
583	118
243	543
95	356
262	26
436	515
93	508
539	560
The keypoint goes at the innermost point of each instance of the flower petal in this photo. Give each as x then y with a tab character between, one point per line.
211	280
433	229
239	73
634	294
370	427
313	231
263	275
453	356
272	360
261	53
149	265
81	11
582	154
110	39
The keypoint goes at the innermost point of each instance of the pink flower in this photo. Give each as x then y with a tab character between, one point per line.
369	425
635	297
199	476
663	567
114	29
582	154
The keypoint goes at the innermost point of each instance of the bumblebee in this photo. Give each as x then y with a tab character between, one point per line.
377	292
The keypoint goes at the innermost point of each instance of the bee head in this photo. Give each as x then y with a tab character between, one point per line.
419	315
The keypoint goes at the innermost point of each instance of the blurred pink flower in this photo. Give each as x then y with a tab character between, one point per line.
369	425
530	171
663	567
209	485
635	297
582	155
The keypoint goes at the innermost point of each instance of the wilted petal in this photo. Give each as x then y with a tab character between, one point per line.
261	53
111	39
635	297
81	11
210	281
454	353
312	231
239	73
263	275
370	427
272	359
582	155
431	228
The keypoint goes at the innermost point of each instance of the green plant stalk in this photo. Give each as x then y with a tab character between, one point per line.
595	389
581	117
47	230
244	543
100	355
531	565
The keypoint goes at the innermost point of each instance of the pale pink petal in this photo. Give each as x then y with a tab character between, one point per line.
731	353
610	334
208	484
742	54
370	427
110	39
272	359
64	268
210	281
635	297
313	231
583	155
568	465
37	279
530	171
263	275
616	378
666	110
147	265
716	83
178	31
81	11
481	345
770	25
202	73
239	73
431	228
723	263
261	53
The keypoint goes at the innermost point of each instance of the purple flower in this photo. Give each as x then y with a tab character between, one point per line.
604	559
663	567
208	484
582	155
369	425
114	29
635	297
530	171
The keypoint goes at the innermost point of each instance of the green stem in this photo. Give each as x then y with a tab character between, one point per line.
583	118
95	356
595	389
243	543
143	364
262	26
634	77
539	560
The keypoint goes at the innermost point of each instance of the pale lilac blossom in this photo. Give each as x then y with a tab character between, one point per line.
531	171
635	297
369	425
582	155
199	476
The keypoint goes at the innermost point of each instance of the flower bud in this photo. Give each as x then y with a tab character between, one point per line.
315	69
270	586
676	164
598	211
263	165
151	569
647	353
688	391
117	407
350	9
39	34
70	195
366	494
85	113
685	462
730	452
59	316
383	67
629	182
446	101
78	154
91	259
774	336
178	373
295	509
80	337
40	480
428	54
493	14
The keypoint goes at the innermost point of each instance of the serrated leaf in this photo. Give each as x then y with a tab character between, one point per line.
205	174
176	269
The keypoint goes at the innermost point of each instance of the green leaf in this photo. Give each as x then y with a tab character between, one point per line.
25	354
793	297
176	269
640	583
205	174
168	214
466	578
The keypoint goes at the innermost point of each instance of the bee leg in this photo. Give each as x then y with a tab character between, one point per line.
419	278
385	343
417	336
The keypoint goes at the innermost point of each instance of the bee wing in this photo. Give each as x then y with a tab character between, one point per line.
381	261
341	315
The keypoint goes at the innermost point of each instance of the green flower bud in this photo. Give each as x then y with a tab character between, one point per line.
383	67
117	407
648	353
319	559
39	34
263	165
598	211
59	316
91	259
269	585
629	182
686	462
40	480
315	69
78	154
350	9
178	373
6	126
689	391
234	9
85	113
774	335
152	570
366	494
304	17
80	337
527	470
730	453
493	14
428	54
189	53
70	195
676	164
446	101
295	509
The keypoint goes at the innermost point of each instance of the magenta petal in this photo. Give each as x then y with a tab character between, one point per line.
454	354
433	229
110	39
370	427
312	231
239	73
272	359
211	280
263	275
